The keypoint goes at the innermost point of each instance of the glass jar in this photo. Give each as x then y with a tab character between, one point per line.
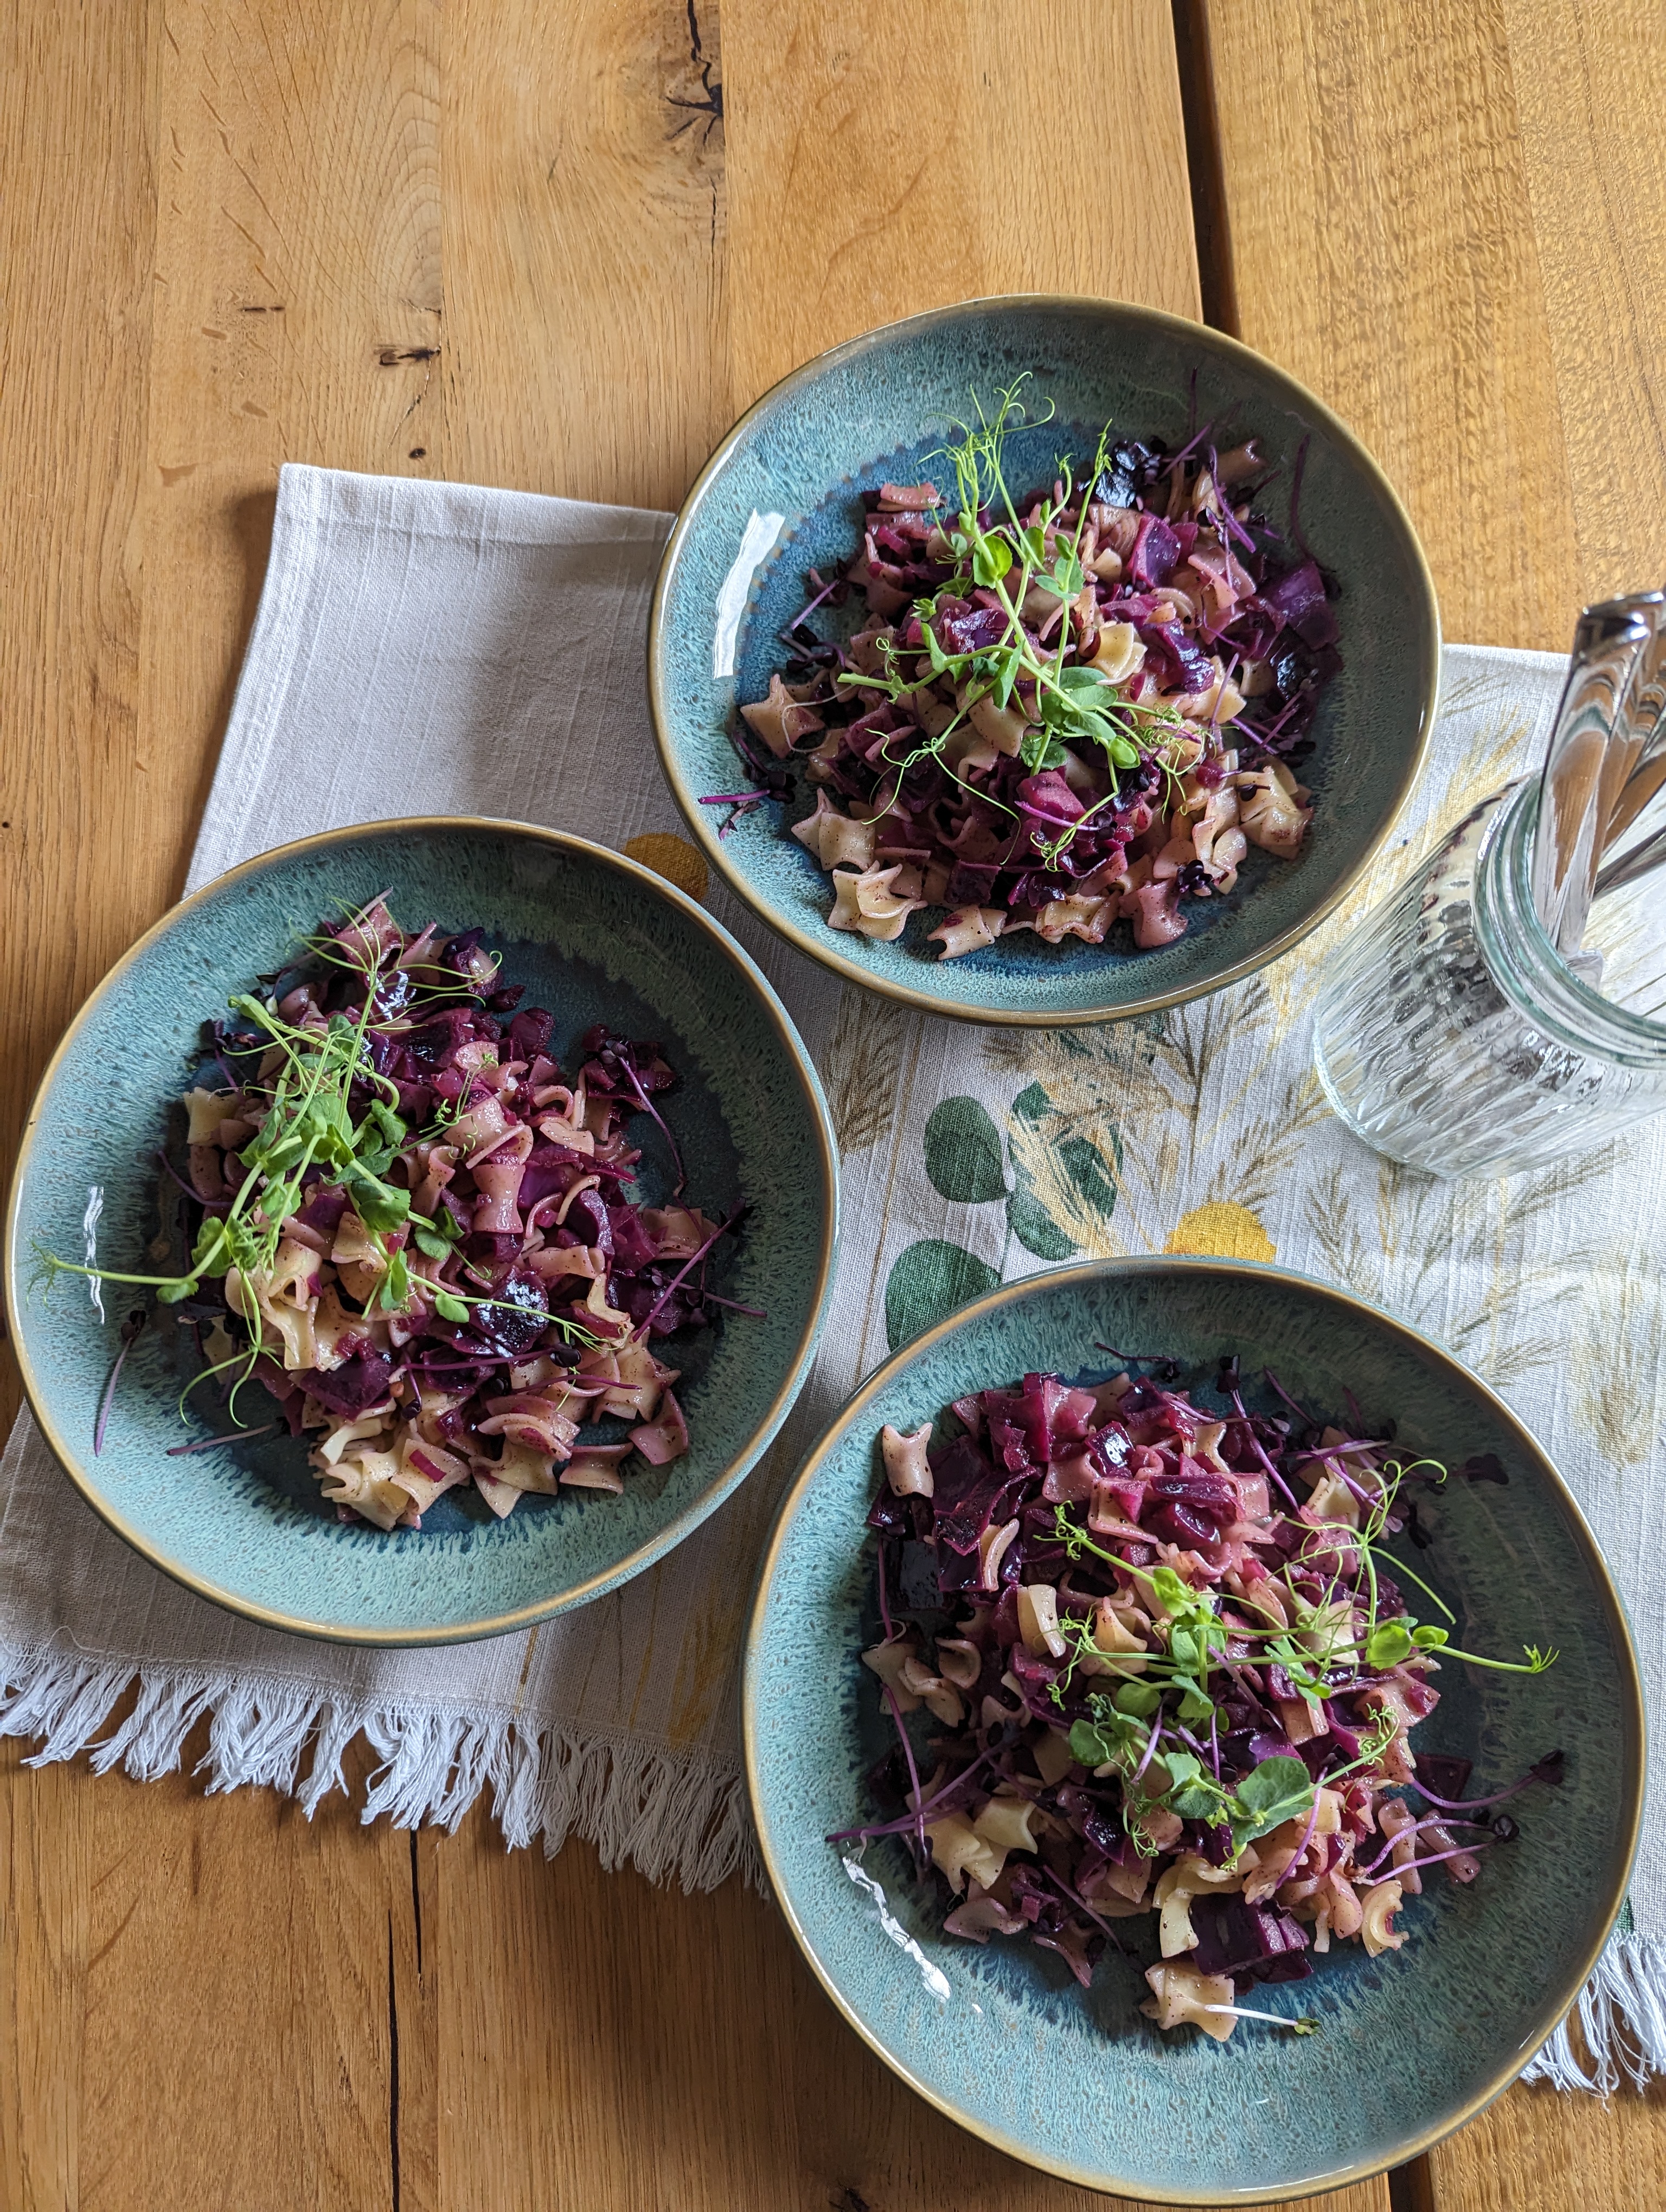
1454	1037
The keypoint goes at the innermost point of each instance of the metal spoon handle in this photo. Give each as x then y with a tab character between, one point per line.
1638	862
1581	777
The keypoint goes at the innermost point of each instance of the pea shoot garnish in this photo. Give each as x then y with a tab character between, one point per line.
1143	1656
1072	703
423	1238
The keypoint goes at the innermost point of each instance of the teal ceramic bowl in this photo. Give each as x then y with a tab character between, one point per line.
781	495
593	937
1412	2044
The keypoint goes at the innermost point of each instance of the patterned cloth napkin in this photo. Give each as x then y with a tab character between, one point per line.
434	649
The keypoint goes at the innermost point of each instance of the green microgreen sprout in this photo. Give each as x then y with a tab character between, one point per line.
1064	705
1308	2024
309	1124
1324	1655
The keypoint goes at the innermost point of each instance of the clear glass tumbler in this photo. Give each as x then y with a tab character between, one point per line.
1454	1037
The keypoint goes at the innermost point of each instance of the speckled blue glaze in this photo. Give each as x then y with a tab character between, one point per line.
877	408
1412	2043
593	937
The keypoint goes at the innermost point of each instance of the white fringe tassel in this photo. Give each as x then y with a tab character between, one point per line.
671	1815
1623	2017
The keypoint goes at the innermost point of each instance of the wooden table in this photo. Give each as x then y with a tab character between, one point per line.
559	247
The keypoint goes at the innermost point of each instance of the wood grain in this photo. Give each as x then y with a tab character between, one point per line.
1448	222
1554	2154
850	206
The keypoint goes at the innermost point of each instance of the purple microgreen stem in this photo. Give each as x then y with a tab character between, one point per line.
132	1329
208	1443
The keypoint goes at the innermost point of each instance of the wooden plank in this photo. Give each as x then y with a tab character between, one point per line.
74	348
583	227
1437	218
1557	2154
847	208
240	1993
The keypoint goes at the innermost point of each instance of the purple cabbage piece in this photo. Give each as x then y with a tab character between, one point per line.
1180	662
1202	1487
589	1220
1298	600
965	1488
529	1033
1050	795
956	1571
1246	1747
1156	551
969	629
436	1045
889	1514
632	1245
545	1173
324	1209
1190	1526
1259	1941
1446	1775
348	1389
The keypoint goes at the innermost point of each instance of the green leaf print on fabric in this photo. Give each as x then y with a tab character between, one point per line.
1089	1169
964	1154
1061	1182
928	1282
1035	1227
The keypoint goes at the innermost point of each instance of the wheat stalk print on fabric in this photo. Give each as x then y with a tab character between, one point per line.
968	1158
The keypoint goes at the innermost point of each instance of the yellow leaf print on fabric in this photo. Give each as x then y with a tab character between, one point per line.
673	858
1222	1227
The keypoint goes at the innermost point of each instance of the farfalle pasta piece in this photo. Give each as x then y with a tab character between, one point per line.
960	1852
781	719
597	1468
968	929
834	839
1182	1997
1086	918
666	1437
205	1110
368	1481
1154	911
984	1914
875	903
907	1468
1272	810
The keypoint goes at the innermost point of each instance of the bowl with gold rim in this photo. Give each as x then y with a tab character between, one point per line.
777	519
593	938
1399	2048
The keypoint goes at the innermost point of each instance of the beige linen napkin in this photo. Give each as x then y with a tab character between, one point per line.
424	648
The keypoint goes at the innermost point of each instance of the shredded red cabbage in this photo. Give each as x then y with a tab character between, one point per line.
1062	712
427	1235
1147	1679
